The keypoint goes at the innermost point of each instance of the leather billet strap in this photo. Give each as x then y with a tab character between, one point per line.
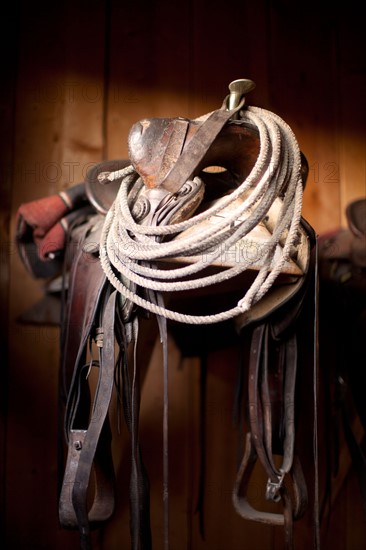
139	482
270	388
271	433
84	443
94	314
103	501
98	418
87	292
260	405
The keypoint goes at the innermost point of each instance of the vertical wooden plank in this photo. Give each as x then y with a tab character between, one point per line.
181	468
8	44
356	524
352	112
33	350
58	130
345	528
163	61
224	528
303	83
227	43
145	78
149	75
334	532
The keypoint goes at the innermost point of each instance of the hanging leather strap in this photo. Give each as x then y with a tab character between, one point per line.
139	481
271	378
99	414
266	424
86	284
90	446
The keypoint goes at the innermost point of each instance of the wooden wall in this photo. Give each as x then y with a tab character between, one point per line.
76	76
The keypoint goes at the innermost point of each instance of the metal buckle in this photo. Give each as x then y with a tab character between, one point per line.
273	488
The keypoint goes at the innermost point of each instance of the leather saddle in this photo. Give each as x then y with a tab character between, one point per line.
342	320
179	170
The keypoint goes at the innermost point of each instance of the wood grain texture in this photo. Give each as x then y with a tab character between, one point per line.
58	129
85	73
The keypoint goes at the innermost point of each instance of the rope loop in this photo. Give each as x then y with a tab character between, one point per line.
130	251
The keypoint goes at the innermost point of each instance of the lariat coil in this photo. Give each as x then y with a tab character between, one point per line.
131	250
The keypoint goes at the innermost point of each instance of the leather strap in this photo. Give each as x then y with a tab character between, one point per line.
89	445
197	147
263	397
271	397
86	284
139	481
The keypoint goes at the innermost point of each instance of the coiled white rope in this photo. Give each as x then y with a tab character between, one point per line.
133	251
